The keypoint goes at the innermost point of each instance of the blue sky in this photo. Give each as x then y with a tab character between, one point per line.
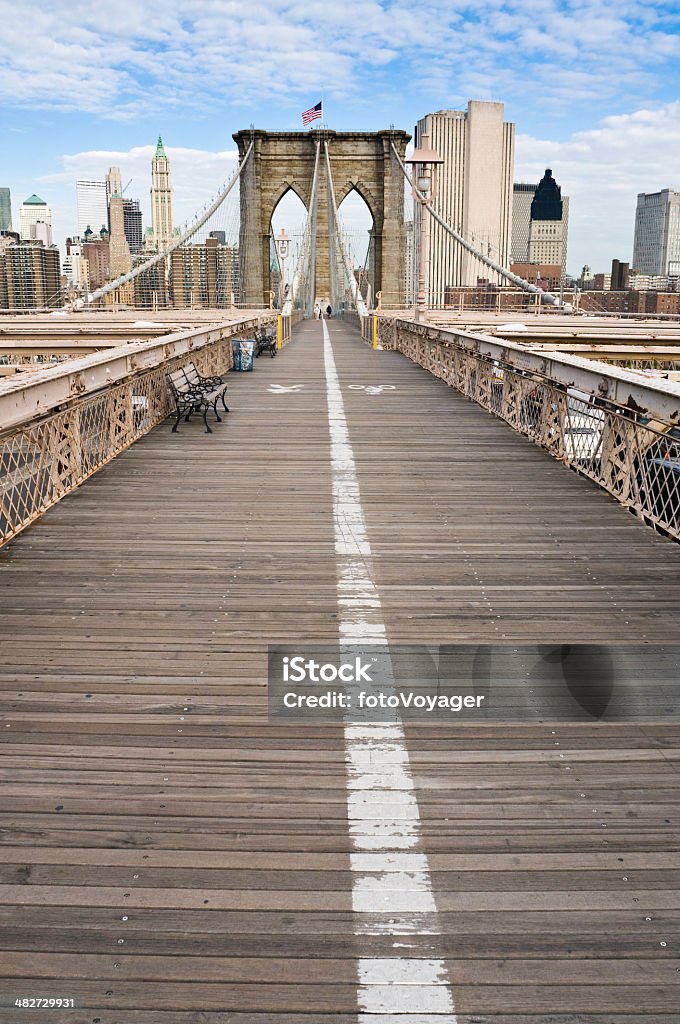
593	87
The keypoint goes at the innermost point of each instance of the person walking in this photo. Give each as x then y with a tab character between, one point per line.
328	311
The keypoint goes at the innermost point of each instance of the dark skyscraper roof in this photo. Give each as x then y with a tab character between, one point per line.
547	201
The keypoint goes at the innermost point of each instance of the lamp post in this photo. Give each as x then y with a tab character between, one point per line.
282	249
424	190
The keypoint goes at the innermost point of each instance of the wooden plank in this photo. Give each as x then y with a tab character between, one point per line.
161	602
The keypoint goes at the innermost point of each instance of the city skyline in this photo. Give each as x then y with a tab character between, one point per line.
592	91
603	193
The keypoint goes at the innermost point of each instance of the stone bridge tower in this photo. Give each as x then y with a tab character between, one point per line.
359	160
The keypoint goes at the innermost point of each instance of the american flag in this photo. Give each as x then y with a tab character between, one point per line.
312	113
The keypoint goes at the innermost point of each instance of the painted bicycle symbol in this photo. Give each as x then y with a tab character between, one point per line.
372	389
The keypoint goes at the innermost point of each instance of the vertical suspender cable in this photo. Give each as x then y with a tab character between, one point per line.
196	226
349	271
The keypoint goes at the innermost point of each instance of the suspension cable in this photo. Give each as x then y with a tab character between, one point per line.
196	226
547	297
349	271
305	277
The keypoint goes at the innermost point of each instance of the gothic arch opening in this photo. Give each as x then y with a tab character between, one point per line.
289	215
359	225
281	160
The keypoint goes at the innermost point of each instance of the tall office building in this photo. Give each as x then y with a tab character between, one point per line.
114	184
161	198
474	191
120	260
5	210
522	198
34	210
540	223
93	211
656	246
134	232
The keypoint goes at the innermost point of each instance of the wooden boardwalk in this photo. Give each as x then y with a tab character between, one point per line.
168	856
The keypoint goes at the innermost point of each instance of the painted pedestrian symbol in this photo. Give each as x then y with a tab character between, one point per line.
283	389
372	389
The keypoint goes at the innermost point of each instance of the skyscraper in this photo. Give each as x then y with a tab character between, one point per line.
114	183
93	209
120	261
161	198
522	197
34	210
540	222
656	246
474	191
5	210
134	232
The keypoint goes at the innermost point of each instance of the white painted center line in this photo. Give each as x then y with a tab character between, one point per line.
391	886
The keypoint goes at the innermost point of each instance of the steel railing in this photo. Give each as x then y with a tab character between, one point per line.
630	450
60	425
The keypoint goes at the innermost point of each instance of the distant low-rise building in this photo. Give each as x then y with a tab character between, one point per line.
630	301
654	302
546	276
597	301
653	282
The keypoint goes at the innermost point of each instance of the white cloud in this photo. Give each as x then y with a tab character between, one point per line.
120	60
602	170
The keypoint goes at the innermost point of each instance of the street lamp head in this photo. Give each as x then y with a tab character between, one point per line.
424	180
424	161
424	155
282	244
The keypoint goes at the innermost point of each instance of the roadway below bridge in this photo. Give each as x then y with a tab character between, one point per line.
170	855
